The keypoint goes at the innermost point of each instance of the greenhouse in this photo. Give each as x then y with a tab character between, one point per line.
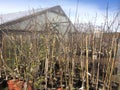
37	20
31	25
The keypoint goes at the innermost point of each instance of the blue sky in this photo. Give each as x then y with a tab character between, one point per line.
87	9
13	5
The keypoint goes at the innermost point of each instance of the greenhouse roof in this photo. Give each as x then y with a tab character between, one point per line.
17	15
11	17
37	20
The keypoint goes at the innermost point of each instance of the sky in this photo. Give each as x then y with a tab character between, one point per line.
87	11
